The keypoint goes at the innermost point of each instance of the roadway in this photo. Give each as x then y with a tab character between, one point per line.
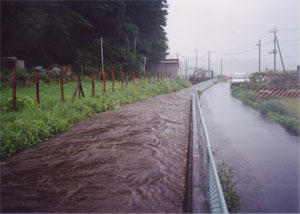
264	156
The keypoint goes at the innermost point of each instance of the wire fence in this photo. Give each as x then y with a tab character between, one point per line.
66	74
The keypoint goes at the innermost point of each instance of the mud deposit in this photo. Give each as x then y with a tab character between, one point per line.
130	160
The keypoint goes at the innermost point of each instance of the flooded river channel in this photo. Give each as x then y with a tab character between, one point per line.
264	156
129	160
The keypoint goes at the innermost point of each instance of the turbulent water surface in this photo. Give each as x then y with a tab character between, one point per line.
129	160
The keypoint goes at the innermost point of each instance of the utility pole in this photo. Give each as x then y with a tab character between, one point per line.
186	68
221	67
274	50
280	54
134	46
102	66
196	60
209	62
259	49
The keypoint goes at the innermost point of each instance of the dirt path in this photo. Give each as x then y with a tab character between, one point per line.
129	160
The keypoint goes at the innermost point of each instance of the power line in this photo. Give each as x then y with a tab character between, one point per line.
237	53
288	29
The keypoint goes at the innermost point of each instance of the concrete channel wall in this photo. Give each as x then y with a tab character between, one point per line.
204	192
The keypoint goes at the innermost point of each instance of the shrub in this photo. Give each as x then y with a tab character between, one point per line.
184	83
275	106
228	185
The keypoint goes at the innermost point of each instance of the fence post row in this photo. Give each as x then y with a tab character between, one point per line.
79	87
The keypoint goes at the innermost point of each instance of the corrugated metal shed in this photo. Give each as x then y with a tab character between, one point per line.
169	66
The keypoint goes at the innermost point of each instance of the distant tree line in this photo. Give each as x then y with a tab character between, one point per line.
63	32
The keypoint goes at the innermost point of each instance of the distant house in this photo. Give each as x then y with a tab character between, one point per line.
167	66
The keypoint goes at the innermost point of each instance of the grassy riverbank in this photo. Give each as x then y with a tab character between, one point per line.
33	123
284	111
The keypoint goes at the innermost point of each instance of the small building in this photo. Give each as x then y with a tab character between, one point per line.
10	62
167	66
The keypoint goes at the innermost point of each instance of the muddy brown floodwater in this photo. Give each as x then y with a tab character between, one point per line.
129	160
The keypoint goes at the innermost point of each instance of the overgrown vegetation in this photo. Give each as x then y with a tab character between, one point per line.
68	32
33	123
272	108
228	185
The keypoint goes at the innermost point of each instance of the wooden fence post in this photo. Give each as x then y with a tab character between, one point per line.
48	73
133	77
104	81
37	88
140	77
79	84
63	69
122	77
113	80
14	87
126	78
93	83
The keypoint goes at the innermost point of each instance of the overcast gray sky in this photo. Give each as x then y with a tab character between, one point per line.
233	26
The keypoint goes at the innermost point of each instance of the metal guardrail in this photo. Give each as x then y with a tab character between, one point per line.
214	192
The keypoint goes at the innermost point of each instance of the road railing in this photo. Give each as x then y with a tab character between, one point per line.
214	192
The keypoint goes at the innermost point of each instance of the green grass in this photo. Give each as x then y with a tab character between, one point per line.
33	123
293	104
282	111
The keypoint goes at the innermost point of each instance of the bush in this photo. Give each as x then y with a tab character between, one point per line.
292	125
275	106
184	83
228	185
